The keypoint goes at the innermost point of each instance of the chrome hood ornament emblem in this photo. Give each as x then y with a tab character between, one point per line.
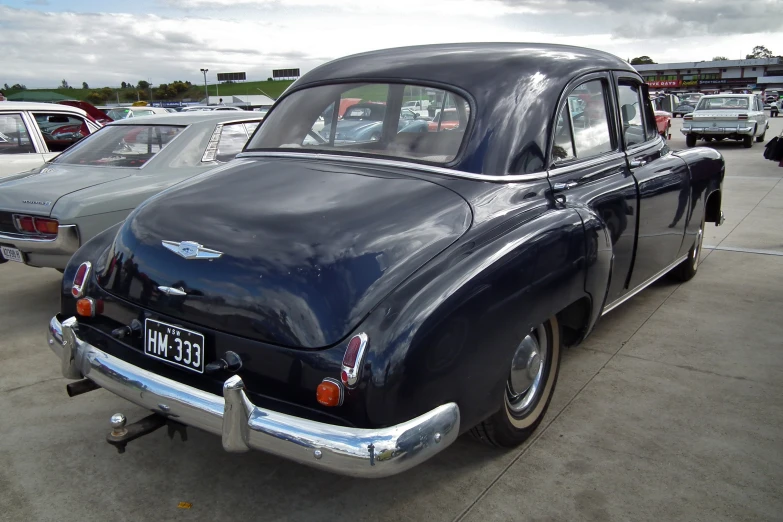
191	250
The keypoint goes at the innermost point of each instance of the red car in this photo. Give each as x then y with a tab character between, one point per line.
450	120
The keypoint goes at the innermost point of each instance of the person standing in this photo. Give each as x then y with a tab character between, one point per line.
2	96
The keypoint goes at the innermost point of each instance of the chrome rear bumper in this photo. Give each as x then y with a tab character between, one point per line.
65	243
717	130
348	451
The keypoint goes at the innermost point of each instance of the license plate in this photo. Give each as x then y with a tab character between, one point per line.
174	344
12	254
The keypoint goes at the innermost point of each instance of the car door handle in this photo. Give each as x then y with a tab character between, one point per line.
563	186
636	163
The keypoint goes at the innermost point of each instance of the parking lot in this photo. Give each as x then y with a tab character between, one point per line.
671	410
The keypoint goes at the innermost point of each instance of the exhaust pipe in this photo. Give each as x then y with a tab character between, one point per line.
79	387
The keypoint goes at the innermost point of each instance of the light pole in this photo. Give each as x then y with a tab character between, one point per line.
206	91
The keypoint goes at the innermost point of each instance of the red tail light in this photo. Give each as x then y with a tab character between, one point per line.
352	360
77	289
25	224
46	226
688	117
742	117
36	225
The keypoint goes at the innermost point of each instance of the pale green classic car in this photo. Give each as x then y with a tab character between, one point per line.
48	212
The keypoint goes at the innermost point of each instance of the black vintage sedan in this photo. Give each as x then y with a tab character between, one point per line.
356	306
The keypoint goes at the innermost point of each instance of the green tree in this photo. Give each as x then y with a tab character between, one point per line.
759	52
123	85
142	85
5	86
19	87
85	86
719	58
64	84
642	60
96	97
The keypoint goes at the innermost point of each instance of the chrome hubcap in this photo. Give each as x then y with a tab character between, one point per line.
527	369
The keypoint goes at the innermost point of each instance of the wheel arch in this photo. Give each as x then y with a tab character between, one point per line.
712	207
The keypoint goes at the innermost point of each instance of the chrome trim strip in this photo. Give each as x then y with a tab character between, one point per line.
349	451
658	140
66	242
396	163
624	298
613	156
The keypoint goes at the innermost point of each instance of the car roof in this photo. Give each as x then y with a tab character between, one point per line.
36	106
484	63
187	118
727	95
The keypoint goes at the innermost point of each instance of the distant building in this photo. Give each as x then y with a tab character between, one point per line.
724	75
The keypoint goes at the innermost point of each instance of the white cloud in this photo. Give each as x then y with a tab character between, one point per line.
40	48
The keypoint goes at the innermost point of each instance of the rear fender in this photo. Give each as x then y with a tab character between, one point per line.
90	251
449	333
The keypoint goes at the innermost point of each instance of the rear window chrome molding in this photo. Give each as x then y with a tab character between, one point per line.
372	161
405	82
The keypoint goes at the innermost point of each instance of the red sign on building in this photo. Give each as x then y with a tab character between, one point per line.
664	83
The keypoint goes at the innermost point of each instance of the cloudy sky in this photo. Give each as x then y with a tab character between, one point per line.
44	41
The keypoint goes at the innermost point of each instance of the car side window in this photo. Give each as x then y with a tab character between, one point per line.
60	131
583	124
563	147
631	114
14	138
232	140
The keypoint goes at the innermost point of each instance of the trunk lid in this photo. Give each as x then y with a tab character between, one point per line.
36	192
721	115
308	249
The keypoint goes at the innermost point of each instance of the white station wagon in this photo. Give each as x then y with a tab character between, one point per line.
718	117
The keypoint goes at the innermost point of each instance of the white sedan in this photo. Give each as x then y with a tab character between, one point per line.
717	117
33	133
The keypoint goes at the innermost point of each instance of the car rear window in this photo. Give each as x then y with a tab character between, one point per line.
367	118
121	146
721	102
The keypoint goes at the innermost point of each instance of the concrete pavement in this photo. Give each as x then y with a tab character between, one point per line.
670	411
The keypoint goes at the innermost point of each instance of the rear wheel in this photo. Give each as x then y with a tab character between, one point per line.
690	140
529	388
747	141
687	269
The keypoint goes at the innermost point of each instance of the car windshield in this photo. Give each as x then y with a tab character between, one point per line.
723	102
118	114
120	146
372	122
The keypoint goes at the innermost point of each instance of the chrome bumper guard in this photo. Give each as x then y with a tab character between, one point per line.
66	242
355	452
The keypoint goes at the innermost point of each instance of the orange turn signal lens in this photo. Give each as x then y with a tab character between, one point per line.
89	307
329	392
